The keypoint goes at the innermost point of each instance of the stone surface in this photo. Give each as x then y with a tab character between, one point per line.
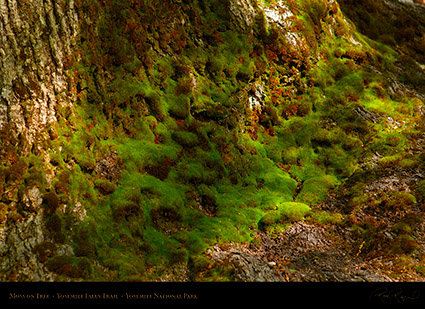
247	266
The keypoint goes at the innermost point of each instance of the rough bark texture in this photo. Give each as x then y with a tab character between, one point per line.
36	42
36	39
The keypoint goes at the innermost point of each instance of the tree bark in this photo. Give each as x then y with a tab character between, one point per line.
36	43
36	39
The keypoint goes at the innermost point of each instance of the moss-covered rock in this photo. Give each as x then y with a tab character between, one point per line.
285	213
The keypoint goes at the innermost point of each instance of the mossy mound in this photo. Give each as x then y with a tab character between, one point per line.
285	213
193	127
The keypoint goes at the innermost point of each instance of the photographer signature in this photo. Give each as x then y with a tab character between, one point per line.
390	295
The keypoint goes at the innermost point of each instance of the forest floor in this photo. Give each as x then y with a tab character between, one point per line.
310	252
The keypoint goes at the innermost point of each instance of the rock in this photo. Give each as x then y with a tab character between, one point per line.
407	1
109	167
243	12
366	115
256	97
32	198
247	266
79	212
389	183
306	237
279	13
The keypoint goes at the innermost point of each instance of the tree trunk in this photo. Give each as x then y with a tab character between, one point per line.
36	43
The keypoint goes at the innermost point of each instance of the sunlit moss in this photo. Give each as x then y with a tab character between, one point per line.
197	165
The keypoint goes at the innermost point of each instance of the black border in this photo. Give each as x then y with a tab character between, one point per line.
186	294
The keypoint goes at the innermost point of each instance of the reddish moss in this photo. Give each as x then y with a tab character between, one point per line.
54	226
17	171
405	244
70	266
165	219
126	211
400	201
62	185
161	171
50	203
44	250
84	245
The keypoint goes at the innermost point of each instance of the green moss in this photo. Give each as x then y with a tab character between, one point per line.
174	108
319	76
140	153
409	163
104	186
389	161
164	249
420	269
285	213
157	105
420	189
402	228
269	219
293	211
314	190
186	139
279	182
179	106
125	211
84	242
324	217
290	155
35	173
342	163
